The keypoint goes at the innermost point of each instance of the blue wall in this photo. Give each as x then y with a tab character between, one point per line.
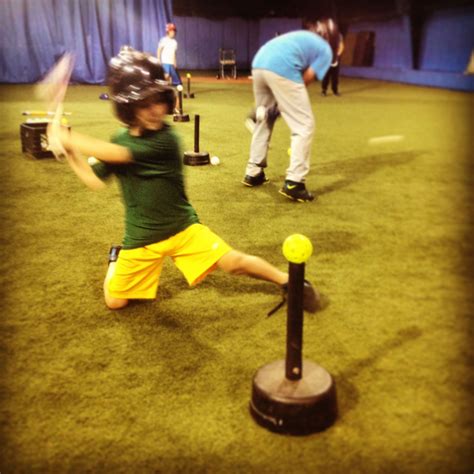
448	39
446	45
199	39
268	27
392	42
34	33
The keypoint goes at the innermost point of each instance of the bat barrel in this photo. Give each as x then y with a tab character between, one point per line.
41	113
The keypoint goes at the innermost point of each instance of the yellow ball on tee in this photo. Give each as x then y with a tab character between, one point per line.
297	248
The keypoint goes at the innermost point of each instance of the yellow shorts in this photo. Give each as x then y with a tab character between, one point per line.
194	251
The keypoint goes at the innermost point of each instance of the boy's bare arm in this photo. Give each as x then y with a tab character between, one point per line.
83	170
102	150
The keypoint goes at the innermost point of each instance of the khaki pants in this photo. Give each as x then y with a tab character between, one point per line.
292	99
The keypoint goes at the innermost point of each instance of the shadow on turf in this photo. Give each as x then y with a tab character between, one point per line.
328	242
271	189
335	242
161	338
8	136
348	394
356	169
367	87
353	170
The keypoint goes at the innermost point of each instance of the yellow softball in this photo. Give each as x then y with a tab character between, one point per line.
297	248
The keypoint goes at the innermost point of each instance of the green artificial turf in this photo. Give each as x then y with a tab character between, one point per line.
164	386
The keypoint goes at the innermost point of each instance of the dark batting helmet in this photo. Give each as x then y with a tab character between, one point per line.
135	77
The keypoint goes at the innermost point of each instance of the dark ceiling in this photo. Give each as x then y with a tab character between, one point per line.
340	9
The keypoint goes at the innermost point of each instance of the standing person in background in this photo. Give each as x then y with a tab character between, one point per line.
281	70
166	53
333	72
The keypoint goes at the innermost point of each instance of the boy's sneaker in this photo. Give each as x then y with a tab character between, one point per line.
252	181
114	253
296	191
311	298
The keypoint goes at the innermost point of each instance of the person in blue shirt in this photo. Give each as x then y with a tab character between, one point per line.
281	70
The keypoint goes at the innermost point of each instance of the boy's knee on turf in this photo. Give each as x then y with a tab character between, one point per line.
115	303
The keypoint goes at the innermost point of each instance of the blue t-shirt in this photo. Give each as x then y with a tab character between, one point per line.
290	54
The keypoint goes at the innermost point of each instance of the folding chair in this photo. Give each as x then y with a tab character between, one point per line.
227	60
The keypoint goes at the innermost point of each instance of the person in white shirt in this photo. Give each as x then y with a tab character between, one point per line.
166	54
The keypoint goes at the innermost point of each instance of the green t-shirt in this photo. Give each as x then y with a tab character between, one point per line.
156	206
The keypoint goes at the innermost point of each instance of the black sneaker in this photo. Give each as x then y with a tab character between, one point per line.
252	181
311	298
296	191
114	253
